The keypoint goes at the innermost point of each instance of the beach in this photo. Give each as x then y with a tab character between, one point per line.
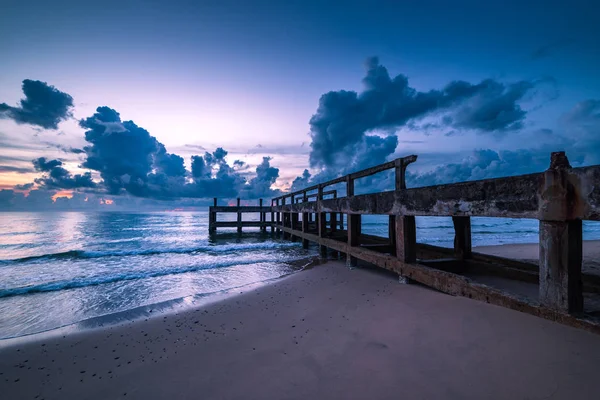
326	332
529	252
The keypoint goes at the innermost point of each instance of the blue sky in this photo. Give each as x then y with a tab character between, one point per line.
248	77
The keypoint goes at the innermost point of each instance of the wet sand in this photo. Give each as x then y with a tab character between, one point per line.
324	333
530	253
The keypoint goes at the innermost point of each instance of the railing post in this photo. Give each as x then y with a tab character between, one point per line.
239	217
353	226
462	237
561	244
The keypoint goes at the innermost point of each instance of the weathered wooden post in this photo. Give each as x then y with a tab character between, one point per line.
321	221
353	225
212	217
560	239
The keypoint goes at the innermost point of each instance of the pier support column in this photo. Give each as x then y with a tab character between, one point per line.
294	224
305	229
392	233
406	238
239	217
462	237
321	222
278	222
354	228
560	265
263	217
561	244
333	227
212	218
286	224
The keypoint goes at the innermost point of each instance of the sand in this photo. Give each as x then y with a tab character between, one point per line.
530	252
324	333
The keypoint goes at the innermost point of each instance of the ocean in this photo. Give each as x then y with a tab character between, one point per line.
62	268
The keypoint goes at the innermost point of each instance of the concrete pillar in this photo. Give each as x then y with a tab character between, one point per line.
392	233
406	238
305	229
294	224
239	217
272	218
354	228
462	237
560	239
560	265
321	222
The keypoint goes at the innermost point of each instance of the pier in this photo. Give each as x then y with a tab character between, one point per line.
560	198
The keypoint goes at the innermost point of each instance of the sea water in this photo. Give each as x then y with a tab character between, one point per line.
59	268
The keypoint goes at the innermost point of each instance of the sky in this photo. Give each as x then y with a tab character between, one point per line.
168	104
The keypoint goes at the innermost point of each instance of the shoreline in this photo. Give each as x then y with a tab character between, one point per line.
326	332
154	310
527	252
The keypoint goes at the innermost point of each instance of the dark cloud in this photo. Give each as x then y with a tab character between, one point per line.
344	118
57	177
131	161
25	186
122	152
300	182
43	106
260	185
66	149
18	170
43	165
492	108
581	126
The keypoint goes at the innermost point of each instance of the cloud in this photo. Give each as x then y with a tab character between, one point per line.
260	185
131	161
57	177
493	108
43	106
18	170
122	152
581	127
345	118
483	164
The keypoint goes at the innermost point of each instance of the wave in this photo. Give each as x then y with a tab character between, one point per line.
226	248
99	280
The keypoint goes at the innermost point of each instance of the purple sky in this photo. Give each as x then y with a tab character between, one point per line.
249	76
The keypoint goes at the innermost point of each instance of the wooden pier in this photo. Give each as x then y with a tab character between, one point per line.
560	198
